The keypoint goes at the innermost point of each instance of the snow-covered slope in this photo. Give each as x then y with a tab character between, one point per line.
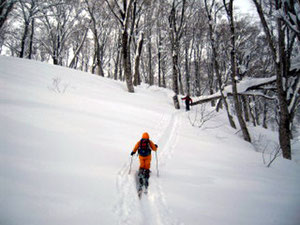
65	141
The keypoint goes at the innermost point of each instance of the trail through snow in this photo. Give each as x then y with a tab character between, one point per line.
151	208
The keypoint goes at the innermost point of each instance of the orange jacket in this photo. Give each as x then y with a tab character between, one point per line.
145	136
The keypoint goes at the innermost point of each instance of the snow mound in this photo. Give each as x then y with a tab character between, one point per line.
65	141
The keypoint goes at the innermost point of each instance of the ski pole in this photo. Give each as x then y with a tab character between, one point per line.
156	164
130	165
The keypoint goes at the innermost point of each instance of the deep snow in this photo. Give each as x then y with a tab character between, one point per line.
65	141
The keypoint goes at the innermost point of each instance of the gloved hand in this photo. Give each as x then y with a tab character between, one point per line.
132	153
156	145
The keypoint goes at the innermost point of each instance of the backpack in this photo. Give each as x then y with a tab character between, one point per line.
144	148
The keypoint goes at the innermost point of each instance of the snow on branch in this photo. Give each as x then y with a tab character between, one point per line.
244	87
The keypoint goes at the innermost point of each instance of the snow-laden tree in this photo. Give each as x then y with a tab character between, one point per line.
78	41
23	24
212	9
58	24
176	31
283	49
101	28
140	23
194	45
229	10
122	11
29	9
6	7
289	12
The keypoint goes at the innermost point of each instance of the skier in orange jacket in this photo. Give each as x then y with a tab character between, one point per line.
144	148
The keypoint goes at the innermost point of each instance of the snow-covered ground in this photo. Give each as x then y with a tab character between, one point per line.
65	140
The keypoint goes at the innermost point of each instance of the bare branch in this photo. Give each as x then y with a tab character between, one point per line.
112	10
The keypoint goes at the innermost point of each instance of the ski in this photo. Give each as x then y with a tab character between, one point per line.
142	182
141	187
146	191
140	192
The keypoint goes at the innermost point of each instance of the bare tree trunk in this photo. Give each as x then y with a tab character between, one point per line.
175	73
76	53
175	80
100	71
121	77
28	18
237	105
31	38
252	112
211	83
180	81
118	59
197	88
246	107
197	73
97	65
97	62
284	117
23	40
126	61
116	66
265	113
256	111
216	66
176	28
159	63
136	77
123	17
163	70
55	51
176	102
187	70
158	46
150	72
281	72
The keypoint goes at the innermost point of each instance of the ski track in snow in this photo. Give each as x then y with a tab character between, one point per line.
151	209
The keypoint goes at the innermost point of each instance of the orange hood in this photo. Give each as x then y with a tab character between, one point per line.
145	135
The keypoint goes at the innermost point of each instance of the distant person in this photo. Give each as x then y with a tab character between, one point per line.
144	148
188	101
